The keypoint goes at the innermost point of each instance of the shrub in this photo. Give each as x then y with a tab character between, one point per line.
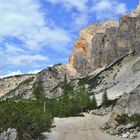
124	119
25	117
136	119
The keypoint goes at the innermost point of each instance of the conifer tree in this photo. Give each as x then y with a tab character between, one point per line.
65	102
104	98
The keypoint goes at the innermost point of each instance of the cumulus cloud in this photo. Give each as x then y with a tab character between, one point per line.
80	20
25	32
26	60
80	5
33	71
106	9
25	20
11	73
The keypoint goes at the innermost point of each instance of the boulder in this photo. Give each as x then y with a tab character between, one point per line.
10	134
129	103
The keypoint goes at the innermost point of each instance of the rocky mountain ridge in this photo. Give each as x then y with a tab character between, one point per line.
105	57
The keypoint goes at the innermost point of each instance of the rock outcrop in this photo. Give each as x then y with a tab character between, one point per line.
10	134
17	86
22	86
52	78
101	44
88	53
129	103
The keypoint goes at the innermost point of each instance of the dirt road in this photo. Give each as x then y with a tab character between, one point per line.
80	128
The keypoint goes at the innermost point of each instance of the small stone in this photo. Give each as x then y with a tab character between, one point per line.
126	135
129	126
132	136
138	129
120	127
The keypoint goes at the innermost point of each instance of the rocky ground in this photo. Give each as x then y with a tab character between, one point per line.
80	128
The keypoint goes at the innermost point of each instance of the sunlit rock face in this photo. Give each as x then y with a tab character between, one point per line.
17	86
101	44
53	77
89	49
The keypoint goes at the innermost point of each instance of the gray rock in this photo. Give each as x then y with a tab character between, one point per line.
126	135
129	126
132	136
102	111
120	127
129	103
10	134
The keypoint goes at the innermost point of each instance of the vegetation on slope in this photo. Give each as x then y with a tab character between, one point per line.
32	117
27	117
125	119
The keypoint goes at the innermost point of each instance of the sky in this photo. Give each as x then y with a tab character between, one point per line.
35	34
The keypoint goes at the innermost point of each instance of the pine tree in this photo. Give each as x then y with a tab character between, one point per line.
105	98
65	102
83	98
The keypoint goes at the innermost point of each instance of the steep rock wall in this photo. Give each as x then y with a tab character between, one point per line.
101	44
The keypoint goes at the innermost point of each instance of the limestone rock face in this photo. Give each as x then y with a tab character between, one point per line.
101	44
19	86
88	49
52	78
129	103
122	75
22	86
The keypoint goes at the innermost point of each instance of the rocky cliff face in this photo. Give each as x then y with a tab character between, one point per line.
17	86
105	57
101	44
22	86
89	48
129	103
52	78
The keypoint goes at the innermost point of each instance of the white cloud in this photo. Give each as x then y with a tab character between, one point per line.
80	20
107	9
25	60
24	20
80	5
33	71
121	8
11	73
10	48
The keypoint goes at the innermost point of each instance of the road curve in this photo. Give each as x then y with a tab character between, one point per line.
80	128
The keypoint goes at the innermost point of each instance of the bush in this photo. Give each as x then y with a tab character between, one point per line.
25	117
105	99
124	119
136	119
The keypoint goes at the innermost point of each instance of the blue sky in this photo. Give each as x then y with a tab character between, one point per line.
35	34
